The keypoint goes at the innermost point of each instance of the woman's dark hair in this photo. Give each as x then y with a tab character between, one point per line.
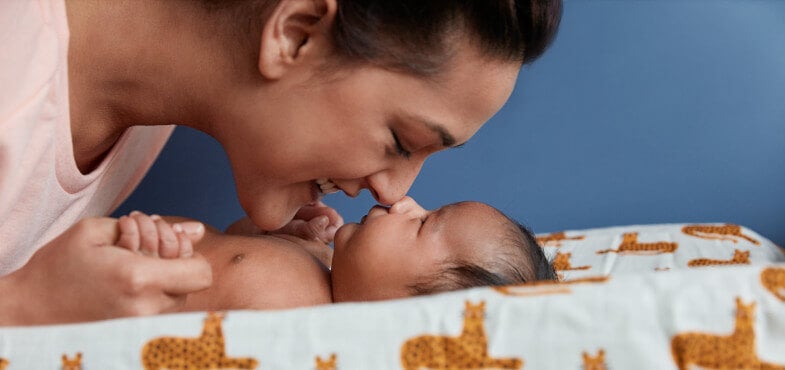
394	34
414	36
516	259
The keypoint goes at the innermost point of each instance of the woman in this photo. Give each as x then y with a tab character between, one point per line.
305	96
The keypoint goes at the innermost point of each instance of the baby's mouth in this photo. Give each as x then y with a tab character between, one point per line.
326	186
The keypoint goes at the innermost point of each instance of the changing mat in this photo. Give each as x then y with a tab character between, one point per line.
659	310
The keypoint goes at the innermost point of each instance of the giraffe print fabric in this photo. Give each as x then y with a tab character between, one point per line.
660	248
715	304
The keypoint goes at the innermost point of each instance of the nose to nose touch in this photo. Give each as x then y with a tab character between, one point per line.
390	186
407	205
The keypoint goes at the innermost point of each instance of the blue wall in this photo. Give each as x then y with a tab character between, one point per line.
641	112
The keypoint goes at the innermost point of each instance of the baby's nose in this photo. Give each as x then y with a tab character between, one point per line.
407	205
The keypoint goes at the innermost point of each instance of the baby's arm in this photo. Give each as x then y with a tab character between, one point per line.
154	236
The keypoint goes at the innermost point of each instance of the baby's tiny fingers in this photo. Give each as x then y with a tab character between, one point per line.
167	240
129	234
149	233
186	247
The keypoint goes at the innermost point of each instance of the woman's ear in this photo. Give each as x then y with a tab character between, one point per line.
296	32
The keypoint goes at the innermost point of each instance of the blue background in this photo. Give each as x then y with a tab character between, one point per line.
656	111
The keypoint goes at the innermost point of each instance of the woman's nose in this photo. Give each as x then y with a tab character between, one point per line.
408	206
391	185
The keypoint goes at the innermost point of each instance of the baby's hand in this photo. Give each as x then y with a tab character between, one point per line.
154	236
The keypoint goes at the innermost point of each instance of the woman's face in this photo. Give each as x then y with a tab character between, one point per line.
392	249
368	128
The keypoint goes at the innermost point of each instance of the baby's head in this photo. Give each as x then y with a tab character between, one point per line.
406	250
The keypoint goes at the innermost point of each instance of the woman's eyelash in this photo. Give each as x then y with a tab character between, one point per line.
399	148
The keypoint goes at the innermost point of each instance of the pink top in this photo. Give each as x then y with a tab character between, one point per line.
42	192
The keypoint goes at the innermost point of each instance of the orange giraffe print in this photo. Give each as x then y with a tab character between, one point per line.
725	232
206	351
773	279
734	351
594	363
739	258
3	363
630	245
469	350
561	262
327	364
555	239
546	287
72	364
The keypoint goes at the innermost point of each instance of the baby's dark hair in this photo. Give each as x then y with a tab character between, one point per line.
517	259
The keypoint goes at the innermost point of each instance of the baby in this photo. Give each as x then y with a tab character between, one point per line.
394	252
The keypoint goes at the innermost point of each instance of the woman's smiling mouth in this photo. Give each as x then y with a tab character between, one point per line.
326	186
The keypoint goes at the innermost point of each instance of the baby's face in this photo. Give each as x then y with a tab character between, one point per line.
392	249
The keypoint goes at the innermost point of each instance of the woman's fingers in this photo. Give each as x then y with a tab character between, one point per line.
180	276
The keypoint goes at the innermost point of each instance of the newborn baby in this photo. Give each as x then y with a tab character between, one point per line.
394	252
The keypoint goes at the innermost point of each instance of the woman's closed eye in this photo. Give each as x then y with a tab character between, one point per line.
399	147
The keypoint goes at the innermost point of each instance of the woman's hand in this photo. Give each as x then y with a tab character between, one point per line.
82	276
317	222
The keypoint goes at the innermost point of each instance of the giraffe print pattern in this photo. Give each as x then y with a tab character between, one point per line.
546	287
72	364
561	262
329	363
204	352
469	350
725	232
733	351
596	362
773	279
739	258
630	245
555	239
